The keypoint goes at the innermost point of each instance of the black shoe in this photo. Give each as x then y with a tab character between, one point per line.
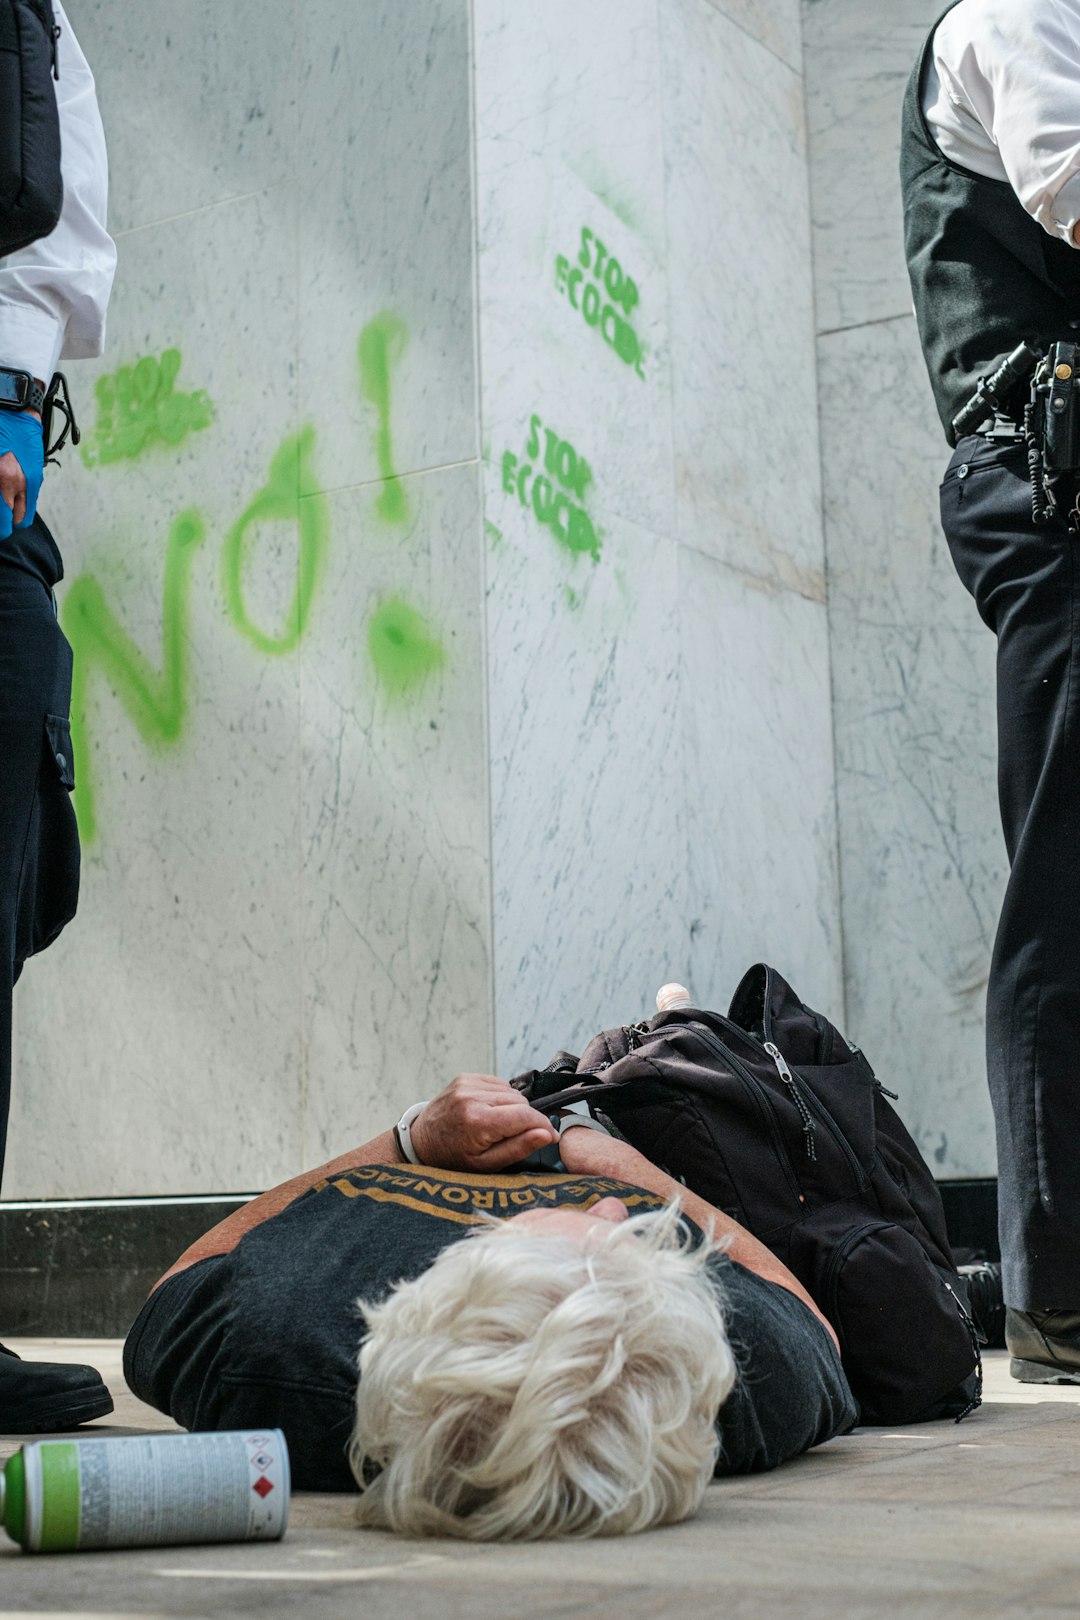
39	1397
983	1278
1044	1345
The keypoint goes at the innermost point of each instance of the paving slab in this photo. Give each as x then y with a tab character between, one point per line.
980	1518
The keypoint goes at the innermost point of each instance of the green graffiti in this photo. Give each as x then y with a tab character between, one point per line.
560	510
494	534
138	407
279	501
382	341
402	647
157	703
620	208
607	301
573	600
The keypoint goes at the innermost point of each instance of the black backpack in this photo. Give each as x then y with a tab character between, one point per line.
772	1117
31	189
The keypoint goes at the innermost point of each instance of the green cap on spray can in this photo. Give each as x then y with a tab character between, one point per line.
13	1498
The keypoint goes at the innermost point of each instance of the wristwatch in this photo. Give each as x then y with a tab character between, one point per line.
19	391
403	1129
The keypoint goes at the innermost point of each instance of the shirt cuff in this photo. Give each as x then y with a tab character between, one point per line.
30	340
1066	208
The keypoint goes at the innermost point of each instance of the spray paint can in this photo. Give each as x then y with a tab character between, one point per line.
153	1490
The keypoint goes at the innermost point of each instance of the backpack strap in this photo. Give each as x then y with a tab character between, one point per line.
587	1088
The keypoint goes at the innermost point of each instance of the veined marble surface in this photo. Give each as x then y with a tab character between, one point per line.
858	57
746	451
922	869
159	1039
570	196
396	904
923	863
199	101
758	772
459	763
588	802
776	23
385	245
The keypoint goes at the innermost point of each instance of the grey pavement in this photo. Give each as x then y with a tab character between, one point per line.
980	1518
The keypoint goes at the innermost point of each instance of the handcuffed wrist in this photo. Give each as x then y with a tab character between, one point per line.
403	1132
577	1114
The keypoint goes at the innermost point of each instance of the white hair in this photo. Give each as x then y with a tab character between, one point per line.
533	1385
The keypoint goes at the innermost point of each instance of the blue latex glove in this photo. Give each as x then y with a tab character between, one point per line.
20	433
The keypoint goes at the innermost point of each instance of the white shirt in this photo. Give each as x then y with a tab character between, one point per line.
54	294
1002	97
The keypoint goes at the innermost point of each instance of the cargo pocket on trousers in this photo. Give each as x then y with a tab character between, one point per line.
49	885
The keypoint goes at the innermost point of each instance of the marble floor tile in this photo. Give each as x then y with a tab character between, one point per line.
588	811
923	870
198	101
572	284
386	247
396	893
759	786
858	57
745	410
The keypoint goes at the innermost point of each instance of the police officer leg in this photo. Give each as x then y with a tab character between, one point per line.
1026	584
34	1396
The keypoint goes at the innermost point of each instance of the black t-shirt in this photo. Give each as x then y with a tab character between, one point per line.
268	1335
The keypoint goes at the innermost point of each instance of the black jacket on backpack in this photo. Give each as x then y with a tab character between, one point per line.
31	188
772	1117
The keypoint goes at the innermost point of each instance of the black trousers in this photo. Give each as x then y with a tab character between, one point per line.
1026	585
39	843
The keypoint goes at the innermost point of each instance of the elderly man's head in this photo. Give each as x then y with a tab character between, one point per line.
558	1374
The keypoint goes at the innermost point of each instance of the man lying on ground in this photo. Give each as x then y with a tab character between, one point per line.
544	1353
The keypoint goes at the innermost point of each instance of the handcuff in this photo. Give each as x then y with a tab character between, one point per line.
19	391
549	1157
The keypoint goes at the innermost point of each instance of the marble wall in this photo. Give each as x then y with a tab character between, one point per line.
445	567
643	251
923	862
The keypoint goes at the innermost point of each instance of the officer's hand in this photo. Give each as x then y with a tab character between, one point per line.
478	1123
22	458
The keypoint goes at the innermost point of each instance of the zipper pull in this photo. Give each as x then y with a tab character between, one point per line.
861	1056
781	1064
797	1097
54	36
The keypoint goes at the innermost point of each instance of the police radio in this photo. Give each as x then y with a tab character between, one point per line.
1052	431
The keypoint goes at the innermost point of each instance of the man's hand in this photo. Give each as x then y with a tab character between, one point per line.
478	1123
22	456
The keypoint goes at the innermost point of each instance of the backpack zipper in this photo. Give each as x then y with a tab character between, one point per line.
756	1090
973	1335
815	1105
830	1281
796	1096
